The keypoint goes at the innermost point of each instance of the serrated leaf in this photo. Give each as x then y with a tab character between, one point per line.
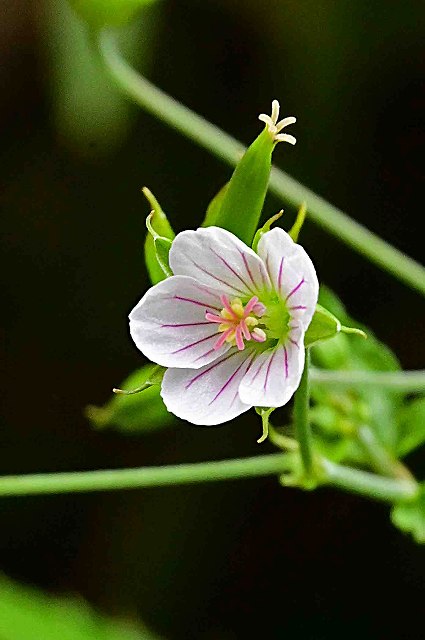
135	414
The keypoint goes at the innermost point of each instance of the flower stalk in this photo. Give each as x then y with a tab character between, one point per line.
302	418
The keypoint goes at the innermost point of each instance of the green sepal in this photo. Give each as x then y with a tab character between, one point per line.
266	227
156	253
299	221
243	200
214	207
103	13
131	411
325	325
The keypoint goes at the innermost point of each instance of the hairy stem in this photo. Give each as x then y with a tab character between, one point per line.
230	150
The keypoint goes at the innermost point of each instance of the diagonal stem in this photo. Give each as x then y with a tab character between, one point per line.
224	146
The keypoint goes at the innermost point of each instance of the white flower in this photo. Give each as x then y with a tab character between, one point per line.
229	323
274	127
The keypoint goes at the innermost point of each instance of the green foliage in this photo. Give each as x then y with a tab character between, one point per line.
29	614
135	414
102	13
157	261
243	199
410	516
411	426
338	414
90	117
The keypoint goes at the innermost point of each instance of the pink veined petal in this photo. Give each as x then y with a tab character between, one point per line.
169	324
219	259
209	395
275	374
292	273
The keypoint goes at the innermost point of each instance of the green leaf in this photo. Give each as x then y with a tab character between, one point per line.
214	208
102	13
351	408
243	200
30	614
163	229
138	413
411	426
410	516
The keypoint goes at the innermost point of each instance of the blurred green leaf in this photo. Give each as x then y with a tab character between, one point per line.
410	516
29	614
411	426
162	227
102	13
91	118
243	200
139	413
351	408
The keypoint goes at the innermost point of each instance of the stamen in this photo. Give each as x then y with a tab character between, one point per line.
236	322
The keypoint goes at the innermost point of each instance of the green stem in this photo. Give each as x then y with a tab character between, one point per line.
302	417
367	484
117	479
230	150
381	460
407	381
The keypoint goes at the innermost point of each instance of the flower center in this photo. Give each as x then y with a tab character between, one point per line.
238	322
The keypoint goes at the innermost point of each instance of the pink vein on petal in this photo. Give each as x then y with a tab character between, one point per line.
229	380
245	261
295	289
285	356
216	363
279	277
232	270
268	370
208	273
200	304
294	342
299	306
184	324
193	344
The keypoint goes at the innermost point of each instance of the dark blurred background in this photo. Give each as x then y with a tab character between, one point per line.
232	560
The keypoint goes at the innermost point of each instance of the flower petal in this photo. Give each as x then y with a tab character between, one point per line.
169	325
292	273
218	259
275	374
210	395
